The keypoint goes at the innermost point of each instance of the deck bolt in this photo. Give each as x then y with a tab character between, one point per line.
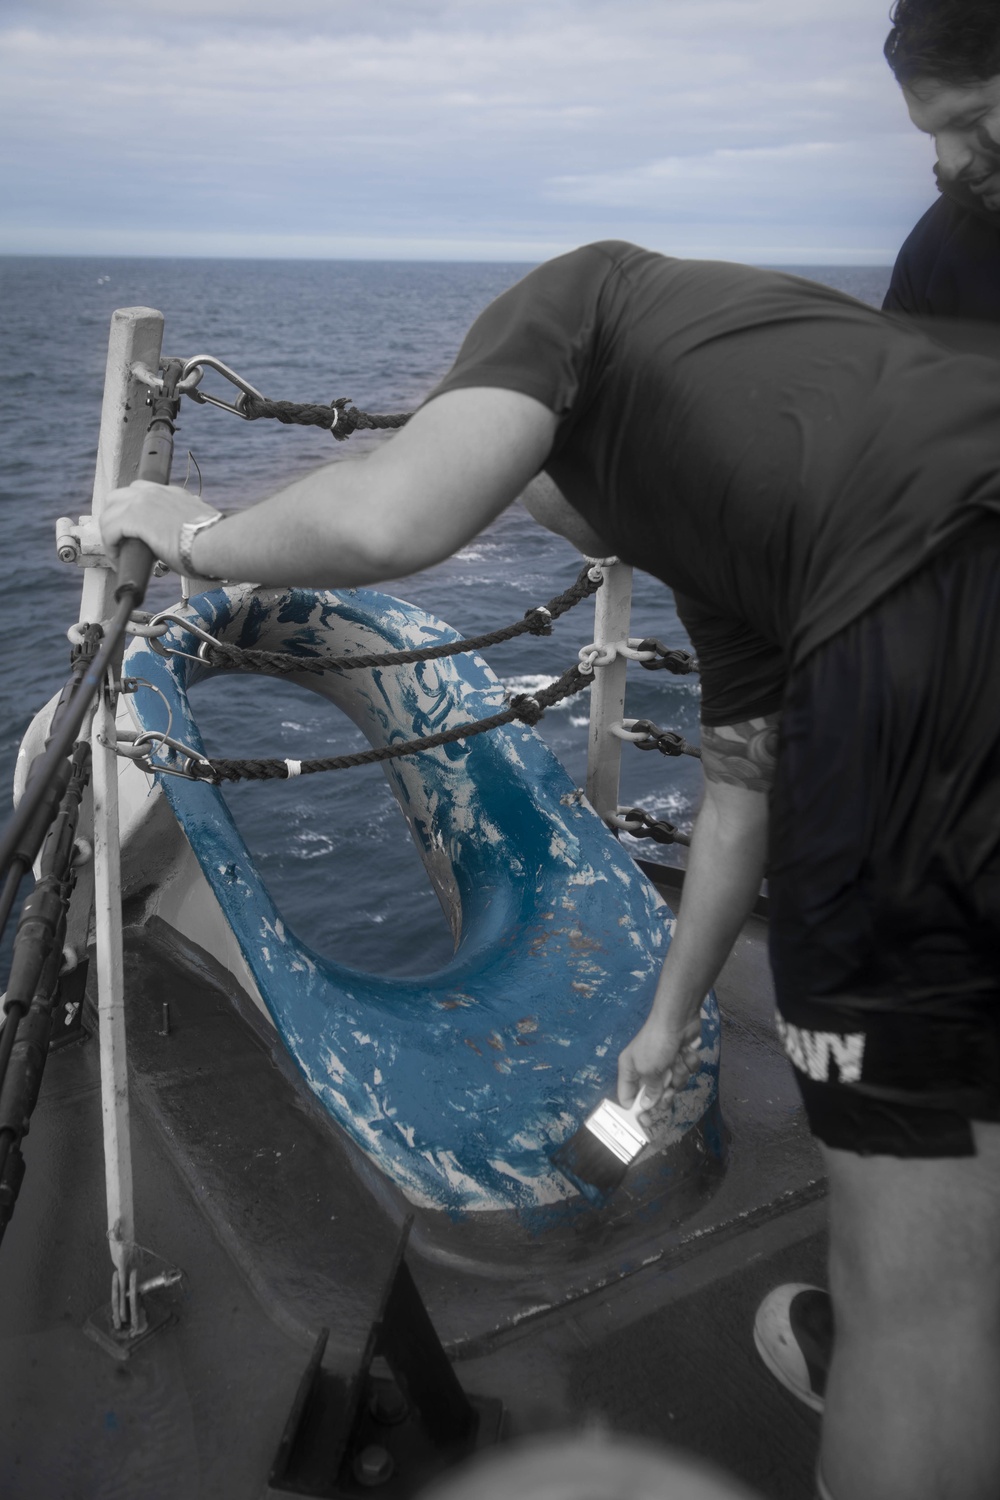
373	1465
388	1405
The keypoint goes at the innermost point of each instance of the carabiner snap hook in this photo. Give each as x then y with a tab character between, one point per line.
201	360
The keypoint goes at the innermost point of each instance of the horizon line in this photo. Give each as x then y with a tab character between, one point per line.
802	256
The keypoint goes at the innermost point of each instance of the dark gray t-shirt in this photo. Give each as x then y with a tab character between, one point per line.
777	453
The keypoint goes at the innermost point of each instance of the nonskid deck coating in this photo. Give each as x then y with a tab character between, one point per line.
664	1351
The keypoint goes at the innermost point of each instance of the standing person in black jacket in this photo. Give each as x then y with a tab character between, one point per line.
946	56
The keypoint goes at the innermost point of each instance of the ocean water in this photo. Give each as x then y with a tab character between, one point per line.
333	848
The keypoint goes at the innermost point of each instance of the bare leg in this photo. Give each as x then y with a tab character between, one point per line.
913	1400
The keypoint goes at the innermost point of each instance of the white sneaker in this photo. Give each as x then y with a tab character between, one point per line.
793	1332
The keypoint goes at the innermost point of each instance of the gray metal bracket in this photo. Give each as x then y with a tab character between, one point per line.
346	1437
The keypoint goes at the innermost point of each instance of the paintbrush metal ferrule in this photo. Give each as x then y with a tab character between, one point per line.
618	1130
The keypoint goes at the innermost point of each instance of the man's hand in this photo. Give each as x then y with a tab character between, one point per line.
725	866
152	512
660	1058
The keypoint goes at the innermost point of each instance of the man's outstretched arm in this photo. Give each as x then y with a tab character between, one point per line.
419	497
725	869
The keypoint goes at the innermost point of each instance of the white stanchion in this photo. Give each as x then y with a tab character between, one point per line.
136	335
612	612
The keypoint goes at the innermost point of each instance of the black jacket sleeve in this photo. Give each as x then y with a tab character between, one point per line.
949	265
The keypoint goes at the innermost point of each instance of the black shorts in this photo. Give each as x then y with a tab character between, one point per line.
884	874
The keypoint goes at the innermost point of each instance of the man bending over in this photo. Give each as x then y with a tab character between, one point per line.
820	487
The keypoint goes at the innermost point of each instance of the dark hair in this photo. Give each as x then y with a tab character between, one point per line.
951	41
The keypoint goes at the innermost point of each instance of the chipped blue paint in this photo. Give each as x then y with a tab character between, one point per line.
456	1084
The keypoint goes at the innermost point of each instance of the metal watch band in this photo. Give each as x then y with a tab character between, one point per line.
185	541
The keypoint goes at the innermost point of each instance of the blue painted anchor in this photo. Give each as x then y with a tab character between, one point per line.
459	1084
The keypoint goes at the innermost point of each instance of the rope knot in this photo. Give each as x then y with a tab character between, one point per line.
527	709
539	620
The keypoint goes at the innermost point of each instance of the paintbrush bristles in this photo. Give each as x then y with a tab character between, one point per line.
615	1128
597	1157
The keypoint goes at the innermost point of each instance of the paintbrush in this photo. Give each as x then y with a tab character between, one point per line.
597	1157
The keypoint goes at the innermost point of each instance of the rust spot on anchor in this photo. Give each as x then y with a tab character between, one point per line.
525	1027
580	943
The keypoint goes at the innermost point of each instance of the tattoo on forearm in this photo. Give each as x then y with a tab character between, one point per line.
741	754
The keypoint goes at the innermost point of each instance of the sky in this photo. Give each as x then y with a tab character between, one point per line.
768	131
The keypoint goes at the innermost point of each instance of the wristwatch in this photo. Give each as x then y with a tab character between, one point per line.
185	541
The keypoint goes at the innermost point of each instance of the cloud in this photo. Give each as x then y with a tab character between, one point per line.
756	180
451	121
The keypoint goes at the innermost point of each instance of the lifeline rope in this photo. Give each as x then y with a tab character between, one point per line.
536	621
528	710
339	417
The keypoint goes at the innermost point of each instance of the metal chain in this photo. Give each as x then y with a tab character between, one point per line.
667	741
665	659
642	825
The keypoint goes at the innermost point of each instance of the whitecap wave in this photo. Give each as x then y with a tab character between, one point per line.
312	845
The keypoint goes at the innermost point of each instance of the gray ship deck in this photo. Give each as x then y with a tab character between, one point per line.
280	1231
